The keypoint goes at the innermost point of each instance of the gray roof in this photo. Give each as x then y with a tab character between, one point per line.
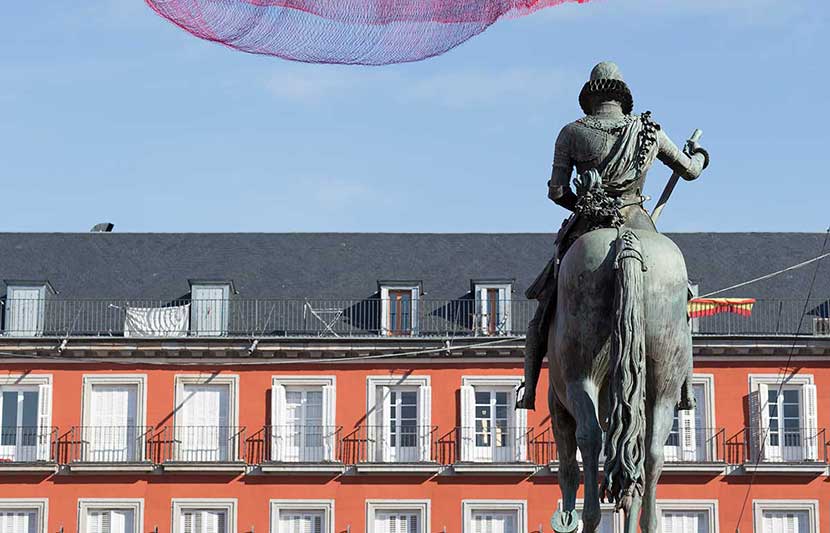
349	265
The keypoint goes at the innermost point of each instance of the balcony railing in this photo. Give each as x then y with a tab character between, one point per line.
58	317
198	444
108	444
700	445
302	443
482	444
24	444
784	445
389	444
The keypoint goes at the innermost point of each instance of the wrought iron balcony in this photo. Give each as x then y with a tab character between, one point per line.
185	445
27	444
390	444
788	446
96	447
371	317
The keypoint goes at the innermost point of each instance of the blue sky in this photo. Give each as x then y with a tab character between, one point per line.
110	113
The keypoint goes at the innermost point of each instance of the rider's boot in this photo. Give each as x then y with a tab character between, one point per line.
534	354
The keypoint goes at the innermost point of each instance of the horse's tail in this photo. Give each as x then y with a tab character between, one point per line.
625	441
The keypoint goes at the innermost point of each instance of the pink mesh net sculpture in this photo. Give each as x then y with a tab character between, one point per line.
362	32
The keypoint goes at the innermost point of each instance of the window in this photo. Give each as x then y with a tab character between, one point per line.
110	516
399	309
303	419
25	418
491	429
204	516
493	308
23	515
399	419
783	418
786	516
688	516
113	429
693	437
206	414
209	308
494	516
24	310
302	516
397	516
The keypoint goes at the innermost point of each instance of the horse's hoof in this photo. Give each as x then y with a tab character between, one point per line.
565	521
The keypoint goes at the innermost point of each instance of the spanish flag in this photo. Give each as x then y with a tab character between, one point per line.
699	307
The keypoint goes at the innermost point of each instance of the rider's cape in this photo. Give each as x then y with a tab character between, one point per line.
623	172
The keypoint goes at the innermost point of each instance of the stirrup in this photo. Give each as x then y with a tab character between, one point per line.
565	521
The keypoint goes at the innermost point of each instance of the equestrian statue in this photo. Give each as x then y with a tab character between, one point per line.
612	316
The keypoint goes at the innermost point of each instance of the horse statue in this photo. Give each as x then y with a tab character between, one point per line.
613	316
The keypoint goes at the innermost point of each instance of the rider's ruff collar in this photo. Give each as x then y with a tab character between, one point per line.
607	81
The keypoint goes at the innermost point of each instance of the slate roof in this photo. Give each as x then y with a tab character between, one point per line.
349	265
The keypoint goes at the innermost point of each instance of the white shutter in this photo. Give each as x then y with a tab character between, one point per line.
279	440
481	310
810	422
688	436
383	434
505	320
121	521
520	441
415	310
44	432
468	405
24	311
425	421
384	311
329	430
209	309
759	422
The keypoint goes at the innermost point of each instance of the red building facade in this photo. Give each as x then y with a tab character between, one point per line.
216	412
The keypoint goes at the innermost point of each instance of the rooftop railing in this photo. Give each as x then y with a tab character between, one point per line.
331	318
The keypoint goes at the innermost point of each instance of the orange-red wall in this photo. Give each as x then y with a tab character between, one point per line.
350	492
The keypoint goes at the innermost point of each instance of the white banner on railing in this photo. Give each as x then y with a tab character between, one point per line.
157	321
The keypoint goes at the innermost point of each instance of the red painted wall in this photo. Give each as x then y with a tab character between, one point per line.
350	492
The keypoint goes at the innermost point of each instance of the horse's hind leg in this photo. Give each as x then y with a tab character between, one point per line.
564	432
659	425
583	399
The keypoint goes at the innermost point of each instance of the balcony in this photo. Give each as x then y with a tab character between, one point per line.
482	450
107	449
297	449
334	318
784	451
392	449
200	449
25	449
699	451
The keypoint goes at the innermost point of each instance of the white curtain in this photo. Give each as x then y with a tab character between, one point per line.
157	321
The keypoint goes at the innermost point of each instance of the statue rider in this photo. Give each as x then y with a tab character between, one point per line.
611	150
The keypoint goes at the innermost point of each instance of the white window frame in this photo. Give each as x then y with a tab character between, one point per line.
324	506
40	319
421	506
374	409
44	384
619	520
39	505
221	504
85	505
759	382
229	380
467	394
687	423
516	506
415	290
694	323
681	505
759	506
481	307
227	289
137	380
329	408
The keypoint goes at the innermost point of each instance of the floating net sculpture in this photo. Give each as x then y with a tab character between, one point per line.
362	32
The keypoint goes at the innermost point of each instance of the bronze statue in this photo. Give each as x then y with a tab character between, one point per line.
612	308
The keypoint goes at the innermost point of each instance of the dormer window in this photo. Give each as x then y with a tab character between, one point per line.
209	308
24	309
399	308
493	312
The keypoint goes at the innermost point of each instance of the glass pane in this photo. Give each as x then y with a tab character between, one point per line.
9	436
29	435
